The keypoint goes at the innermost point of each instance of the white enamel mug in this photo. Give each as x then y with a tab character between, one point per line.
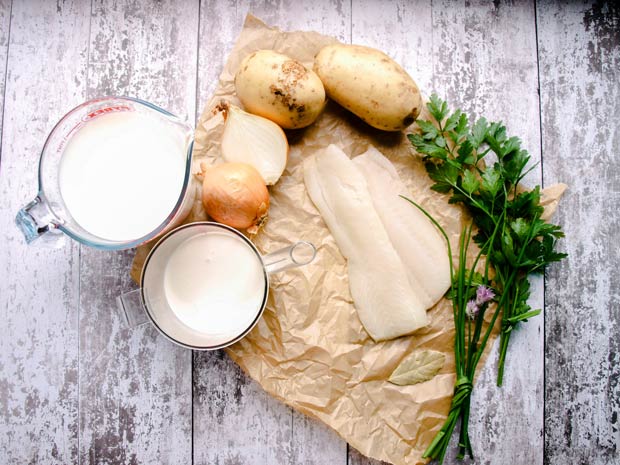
153	301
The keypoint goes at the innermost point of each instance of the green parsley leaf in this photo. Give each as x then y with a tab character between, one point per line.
514	163
511	145
470	182
491	181
429	130
445	176
479	132
452	121
466	153
525	204
437	108
521	228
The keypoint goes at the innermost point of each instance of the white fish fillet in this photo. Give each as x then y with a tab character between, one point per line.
416	240
385	301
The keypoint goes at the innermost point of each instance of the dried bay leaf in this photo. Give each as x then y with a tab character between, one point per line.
417	367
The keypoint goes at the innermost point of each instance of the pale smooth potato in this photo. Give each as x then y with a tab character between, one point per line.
279	88
370	84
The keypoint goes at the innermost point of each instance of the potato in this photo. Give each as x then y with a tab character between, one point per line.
279	88
370	84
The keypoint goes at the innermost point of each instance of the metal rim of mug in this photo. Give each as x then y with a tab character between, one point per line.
259	313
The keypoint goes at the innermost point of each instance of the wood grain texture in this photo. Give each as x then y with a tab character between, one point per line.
38	297
235	421
5	26
135	386
579	52
220	23
401	29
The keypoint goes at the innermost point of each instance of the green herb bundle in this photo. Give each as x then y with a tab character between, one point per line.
471	295
509	231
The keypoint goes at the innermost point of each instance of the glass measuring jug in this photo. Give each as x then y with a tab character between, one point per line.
115	172
205	285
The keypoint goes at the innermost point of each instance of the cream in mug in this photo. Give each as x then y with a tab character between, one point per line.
122	173
215	284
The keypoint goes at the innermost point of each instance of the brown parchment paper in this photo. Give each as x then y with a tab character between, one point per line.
310	350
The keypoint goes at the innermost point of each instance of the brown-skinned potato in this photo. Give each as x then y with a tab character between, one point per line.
277	87
370	84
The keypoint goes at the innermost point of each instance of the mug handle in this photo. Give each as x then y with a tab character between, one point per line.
297	254
131	307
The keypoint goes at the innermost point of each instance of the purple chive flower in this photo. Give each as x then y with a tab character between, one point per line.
483	295
472	309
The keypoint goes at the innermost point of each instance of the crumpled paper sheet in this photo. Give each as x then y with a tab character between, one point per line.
310	350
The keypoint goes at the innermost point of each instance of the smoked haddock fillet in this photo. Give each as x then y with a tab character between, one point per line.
416	240
385	301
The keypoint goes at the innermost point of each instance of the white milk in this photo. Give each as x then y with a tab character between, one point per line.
122	173
215	284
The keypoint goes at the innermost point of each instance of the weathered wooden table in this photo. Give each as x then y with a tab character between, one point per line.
76	386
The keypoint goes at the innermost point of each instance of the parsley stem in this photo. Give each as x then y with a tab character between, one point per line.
505	335
474	202
503	350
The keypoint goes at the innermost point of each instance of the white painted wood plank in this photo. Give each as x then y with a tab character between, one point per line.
220	23
579	50
330	17
466	52
235	421
135	386
401	29
5	19
38	287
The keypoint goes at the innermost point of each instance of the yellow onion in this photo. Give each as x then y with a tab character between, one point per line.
235	194
256	141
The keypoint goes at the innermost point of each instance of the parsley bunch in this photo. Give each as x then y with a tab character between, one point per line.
510	230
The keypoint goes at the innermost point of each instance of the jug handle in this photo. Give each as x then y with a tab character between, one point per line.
297	254
36	220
